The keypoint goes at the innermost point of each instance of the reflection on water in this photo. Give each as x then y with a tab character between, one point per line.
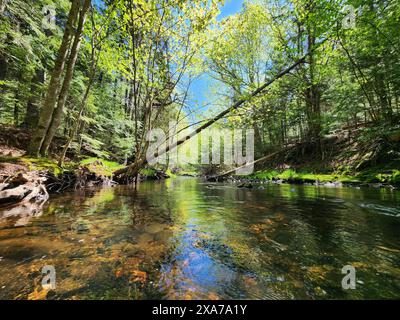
186	239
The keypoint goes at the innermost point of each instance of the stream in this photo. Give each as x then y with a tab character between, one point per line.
184	238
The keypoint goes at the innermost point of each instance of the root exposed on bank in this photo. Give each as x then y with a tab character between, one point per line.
22	195
77	179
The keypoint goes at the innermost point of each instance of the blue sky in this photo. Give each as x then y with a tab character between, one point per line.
200	90
230	7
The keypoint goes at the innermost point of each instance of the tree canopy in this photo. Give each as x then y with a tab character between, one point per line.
97	76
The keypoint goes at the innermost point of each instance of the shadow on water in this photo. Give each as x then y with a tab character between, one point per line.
186	239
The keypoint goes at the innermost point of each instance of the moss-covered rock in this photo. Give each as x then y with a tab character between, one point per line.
152	174
100	167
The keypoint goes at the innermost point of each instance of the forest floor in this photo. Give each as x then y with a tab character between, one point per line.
344	160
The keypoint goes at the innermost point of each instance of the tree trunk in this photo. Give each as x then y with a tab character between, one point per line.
77	121
54	85
3	74
58	112
32	107
313	95
257	140
3	67
16	111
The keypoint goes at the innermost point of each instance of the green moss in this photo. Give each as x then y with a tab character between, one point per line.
300	177
35	164
375	175
187	173
349	179
378	175
264	175
289	175
100	167
395	178
148	172
170	174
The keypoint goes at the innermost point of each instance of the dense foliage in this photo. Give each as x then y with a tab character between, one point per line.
95	79
350	81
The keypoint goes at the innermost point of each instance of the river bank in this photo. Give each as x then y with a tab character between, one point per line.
47	177
26	183
372	178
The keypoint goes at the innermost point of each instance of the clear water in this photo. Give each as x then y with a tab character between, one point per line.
187	239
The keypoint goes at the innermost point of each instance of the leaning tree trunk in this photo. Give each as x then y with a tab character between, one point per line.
55	80
133	168
58	112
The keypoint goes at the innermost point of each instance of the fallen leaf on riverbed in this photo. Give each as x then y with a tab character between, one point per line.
359	265
133	261
213	296
280	216
319	291
138	276
250	282
188	296
257	228
269	221
119	273
38	295
318	272
297	284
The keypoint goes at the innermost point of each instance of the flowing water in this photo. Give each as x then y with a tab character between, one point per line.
187	239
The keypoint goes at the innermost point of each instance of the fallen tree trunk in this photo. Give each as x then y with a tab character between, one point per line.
271	155
133	168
